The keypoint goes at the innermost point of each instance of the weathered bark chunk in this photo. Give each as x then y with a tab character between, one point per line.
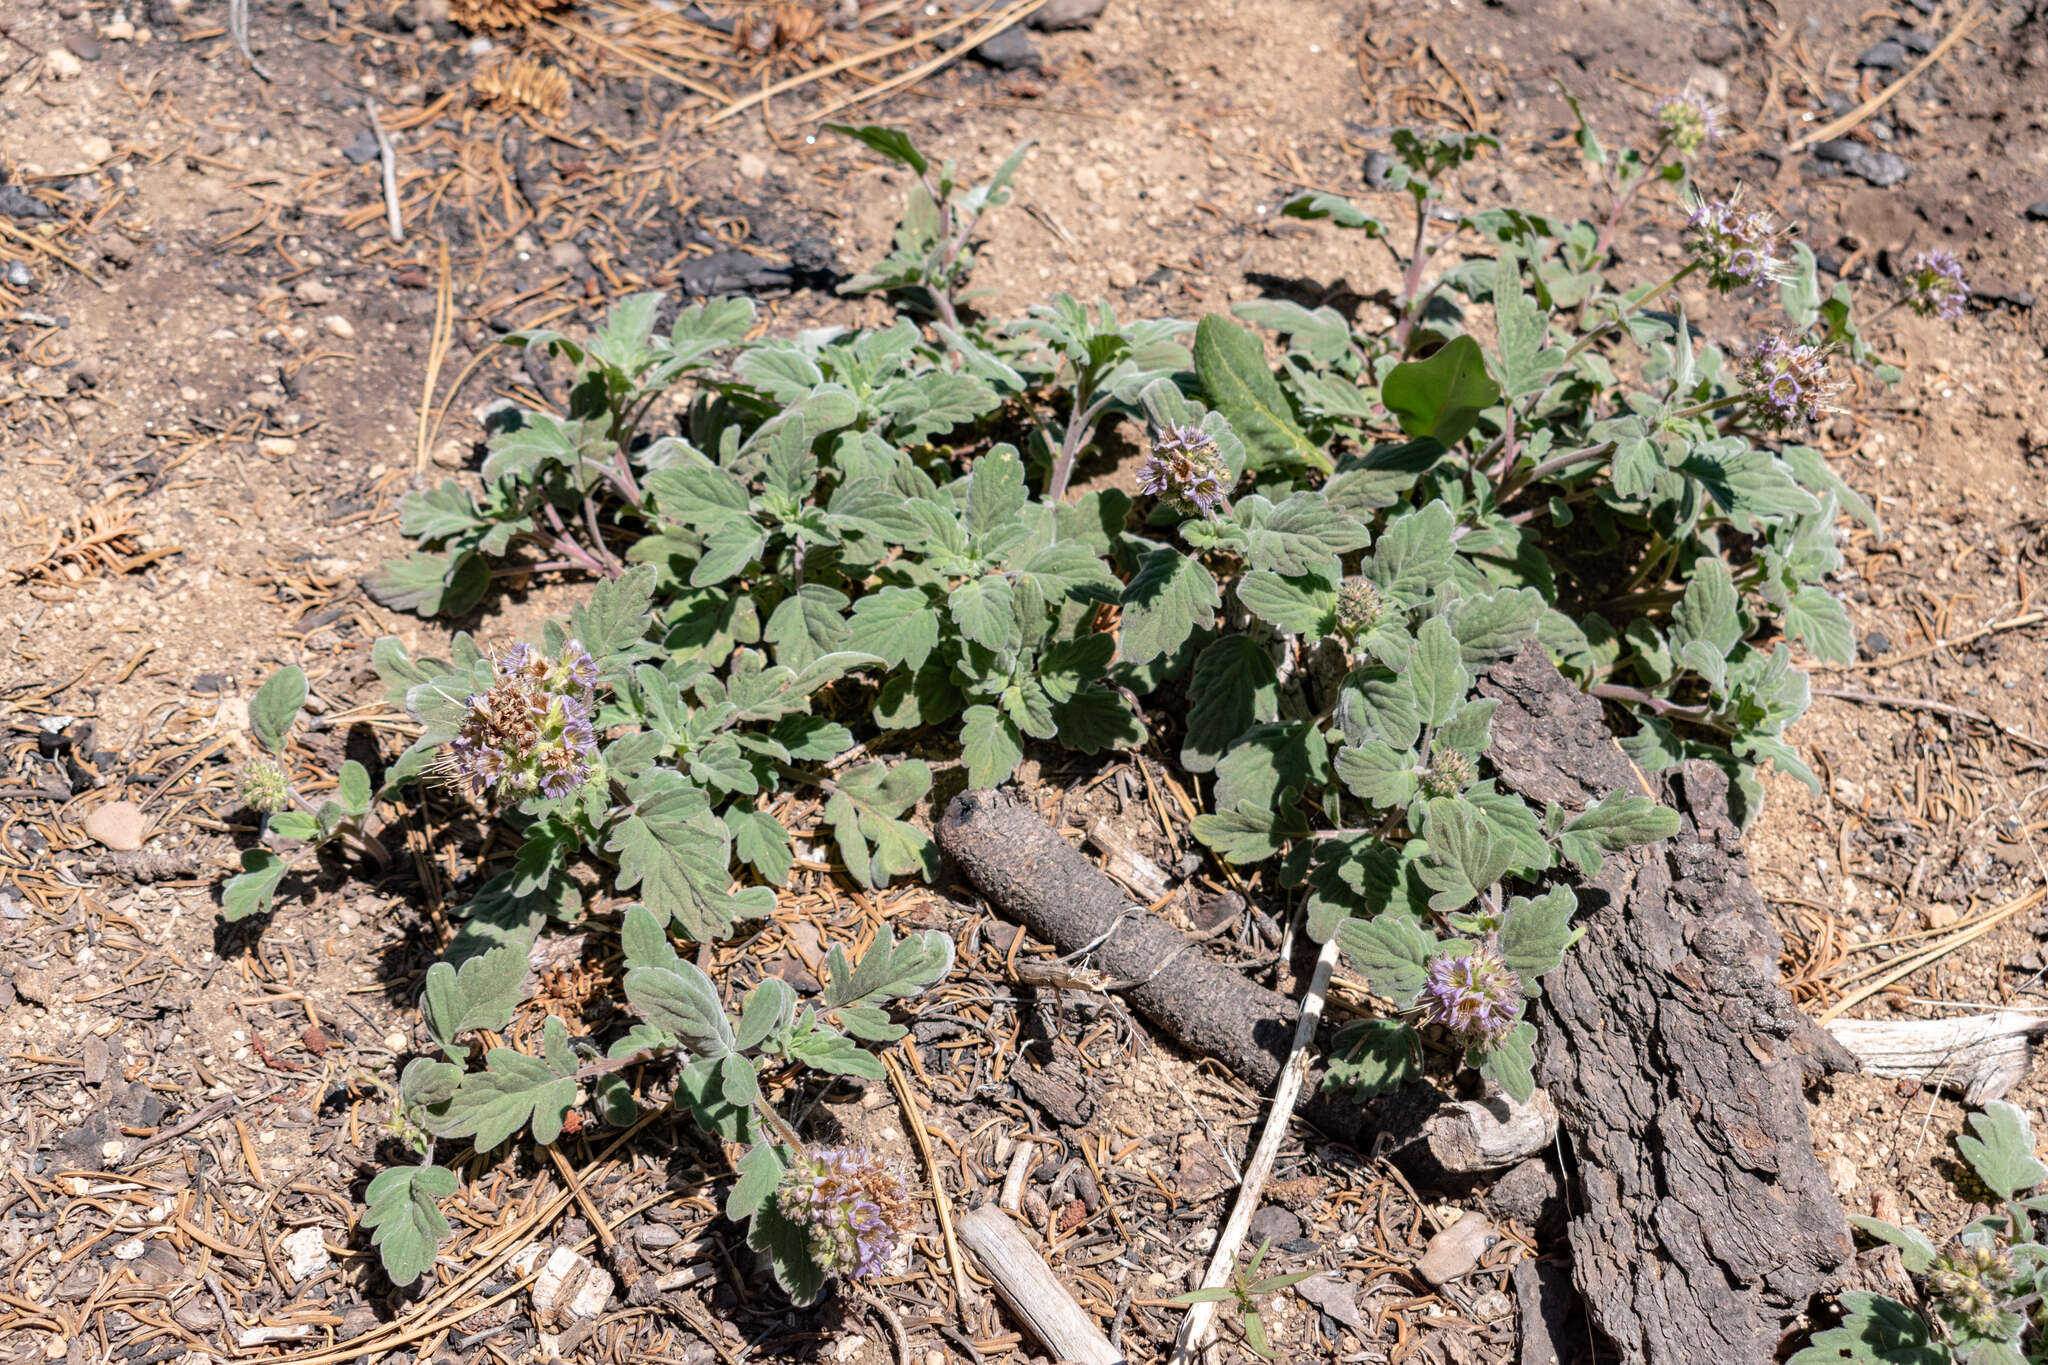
1703	1219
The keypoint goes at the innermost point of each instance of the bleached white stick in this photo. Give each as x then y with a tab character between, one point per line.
1201	1319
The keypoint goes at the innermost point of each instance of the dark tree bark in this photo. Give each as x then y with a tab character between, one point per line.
1702	1220
1034	876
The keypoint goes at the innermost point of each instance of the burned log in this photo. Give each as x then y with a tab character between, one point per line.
1702	1220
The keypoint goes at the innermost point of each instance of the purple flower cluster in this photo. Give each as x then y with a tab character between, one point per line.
1935	286
1186	470
265	786
1734	245
1359	607
1688	121
1474	997
530	732
1789	384
851	1204
1972	1284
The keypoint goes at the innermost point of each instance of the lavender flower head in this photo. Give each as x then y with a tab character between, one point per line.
1186	470
1474	997
530	732
1789	385
1689	121
852	1205
1359	607
1734	245
1935	286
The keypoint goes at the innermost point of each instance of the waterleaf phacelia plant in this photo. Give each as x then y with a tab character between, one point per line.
802	547
1981	1291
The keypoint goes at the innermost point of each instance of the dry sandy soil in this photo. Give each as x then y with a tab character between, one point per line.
212	362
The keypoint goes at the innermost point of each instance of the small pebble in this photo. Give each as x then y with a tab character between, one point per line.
62	64
83	48
1455	1250
339	326
18	276
119	825
2037	212
312	291
278	446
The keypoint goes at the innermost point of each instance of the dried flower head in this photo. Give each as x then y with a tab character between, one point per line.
1734	245
530	732
1186	470
485	15
1688	121
1449	772
1971	1285
1934	284
1788	384
1359	607
265	787
853	1206
1474	997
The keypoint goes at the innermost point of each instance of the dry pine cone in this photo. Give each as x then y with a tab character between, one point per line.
486	15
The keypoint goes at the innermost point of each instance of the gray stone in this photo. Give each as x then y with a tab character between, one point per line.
1914	41
1272	1221
1065	14
1887	55
16	202
1010	50
18	276
1716	46
363	150
1882	169
83	48
2037	212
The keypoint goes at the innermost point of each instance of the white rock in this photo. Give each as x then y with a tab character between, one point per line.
310	290
118	31
96	148
1455	1250
278	446
118	824
752	166
305	1253
340	326
569	1288
129	1250
64	66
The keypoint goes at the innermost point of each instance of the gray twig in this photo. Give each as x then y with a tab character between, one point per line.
238	30
387	156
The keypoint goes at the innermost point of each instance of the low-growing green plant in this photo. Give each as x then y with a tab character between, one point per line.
1244	1291
1981	1292
839	536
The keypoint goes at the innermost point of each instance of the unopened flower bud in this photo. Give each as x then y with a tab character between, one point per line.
265	787
852	1205
1186	470
1449	773
1934	284
1475	997
1688	121
1359	607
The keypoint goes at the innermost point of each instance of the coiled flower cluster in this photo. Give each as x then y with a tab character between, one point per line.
1185	469
1971	1285
1475	997
530	732
1935	286
1788	384
1689	121
852	1205
1449	772
265	787
1359	607
1734	245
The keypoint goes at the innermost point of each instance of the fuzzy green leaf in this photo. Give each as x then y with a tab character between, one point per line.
512	1091
1437	673
1235	686
1916	1253
406	1224
1372	1056
1378	774
1168	599
865	810
250	891
1441	397
1230	360
1511	1062
896	624
991	745
759	1171
1535	933
1393	952
681	1000
275	707
482	994
2000	1149
1874	1331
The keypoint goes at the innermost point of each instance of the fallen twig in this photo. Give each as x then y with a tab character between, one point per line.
913	1118
1829	131
1195	1328
1939	708
387	157
1028	1285
238	30
1913	962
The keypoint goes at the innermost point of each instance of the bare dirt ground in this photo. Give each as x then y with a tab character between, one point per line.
213	363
